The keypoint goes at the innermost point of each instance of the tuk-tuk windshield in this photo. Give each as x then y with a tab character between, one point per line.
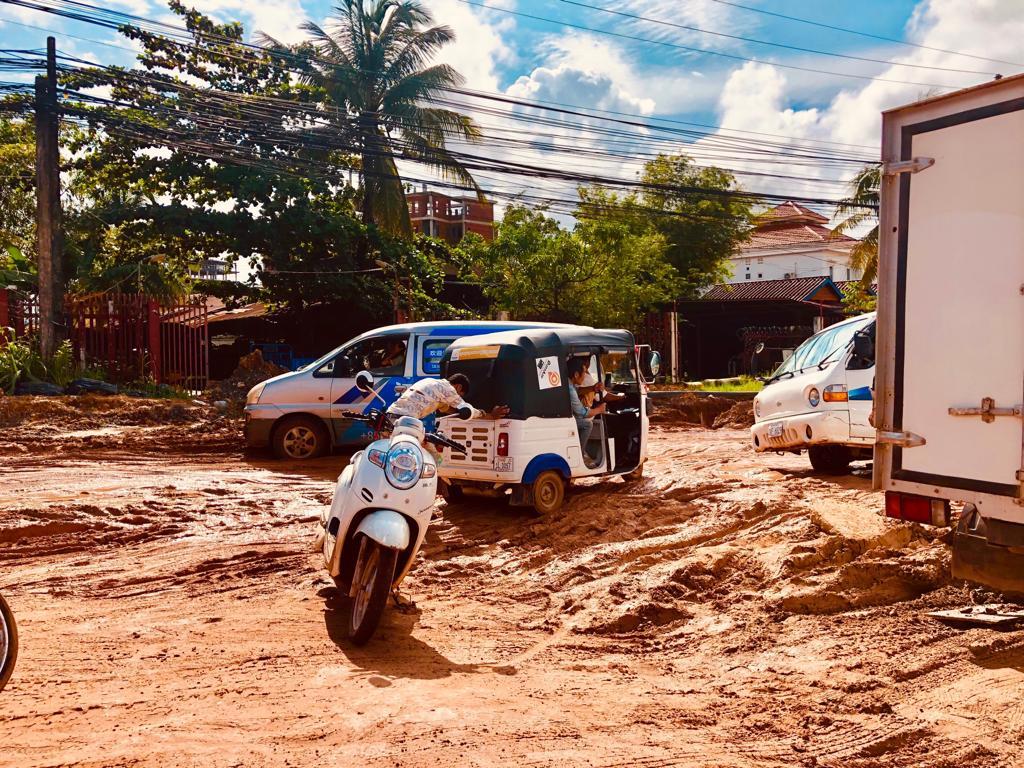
620	364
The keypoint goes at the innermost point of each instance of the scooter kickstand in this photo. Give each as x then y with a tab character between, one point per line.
404	605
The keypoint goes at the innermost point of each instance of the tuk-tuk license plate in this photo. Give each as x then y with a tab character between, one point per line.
502	463
775	430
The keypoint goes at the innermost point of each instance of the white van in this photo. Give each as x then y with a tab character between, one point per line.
820	398
298	414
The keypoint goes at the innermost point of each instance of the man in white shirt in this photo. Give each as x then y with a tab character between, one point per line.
427	396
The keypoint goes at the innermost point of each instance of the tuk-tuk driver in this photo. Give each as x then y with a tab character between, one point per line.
584	415
428	396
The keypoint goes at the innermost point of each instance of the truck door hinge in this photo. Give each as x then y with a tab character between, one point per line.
987	411
900	439
907	166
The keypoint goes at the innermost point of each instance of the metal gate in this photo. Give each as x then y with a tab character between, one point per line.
135	338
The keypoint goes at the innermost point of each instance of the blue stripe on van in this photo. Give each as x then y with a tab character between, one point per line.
861	393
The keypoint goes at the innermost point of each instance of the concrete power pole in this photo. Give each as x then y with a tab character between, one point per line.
49	235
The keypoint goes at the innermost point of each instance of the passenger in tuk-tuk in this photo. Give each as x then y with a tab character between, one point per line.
584	415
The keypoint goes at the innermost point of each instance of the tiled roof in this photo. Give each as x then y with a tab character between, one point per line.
848	285
798	289
779	235
791	210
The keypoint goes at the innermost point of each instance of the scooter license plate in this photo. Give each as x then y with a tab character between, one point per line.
502	463
775	430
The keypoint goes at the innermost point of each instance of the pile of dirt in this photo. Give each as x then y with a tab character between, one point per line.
77	412
251	370
703	410
740	416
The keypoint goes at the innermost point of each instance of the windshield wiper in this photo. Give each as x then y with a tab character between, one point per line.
778	376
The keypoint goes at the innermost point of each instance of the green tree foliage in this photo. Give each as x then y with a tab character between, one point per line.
17	184
601	273
372	64
214	150
857	208
692	209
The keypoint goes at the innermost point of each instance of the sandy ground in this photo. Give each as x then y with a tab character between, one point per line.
728	610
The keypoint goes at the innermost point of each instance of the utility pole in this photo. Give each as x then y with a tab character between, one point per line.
49	234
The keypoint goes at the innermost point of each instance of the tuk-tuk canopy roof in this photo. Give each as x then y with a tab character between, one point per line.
531	341
526	369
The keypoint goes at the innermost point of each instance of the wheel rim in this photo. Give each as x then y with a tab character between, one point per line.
364	585
5	641
547	493
300	442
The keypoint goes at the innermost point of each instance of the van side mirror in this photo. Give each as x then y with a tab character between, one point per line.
364	381
863	346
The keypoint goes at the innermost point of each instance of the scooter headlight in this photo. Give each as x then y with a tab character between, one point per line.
403	465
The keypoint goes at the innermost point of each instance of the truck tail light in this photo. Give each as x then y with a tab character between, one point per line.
503	444
916	509
835	393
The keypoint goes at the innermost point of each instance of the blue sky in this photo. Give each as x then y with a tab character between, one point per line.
532	59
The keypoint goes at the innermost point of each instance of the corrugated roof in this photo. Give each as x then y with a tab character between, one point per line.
792	234
798	289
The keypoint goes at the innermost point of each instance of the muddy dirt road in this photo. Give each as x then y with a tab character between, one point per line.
729	610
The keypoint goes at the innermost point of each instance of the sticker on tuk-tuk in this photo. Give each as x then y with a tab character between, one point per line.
487	352
548	375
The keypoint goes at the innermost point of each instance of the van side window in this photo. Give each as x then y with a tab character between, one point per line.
381	356
431	354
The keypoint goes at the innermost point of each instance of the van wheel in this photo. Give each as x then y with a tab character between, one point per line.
299	438
548	492
830	459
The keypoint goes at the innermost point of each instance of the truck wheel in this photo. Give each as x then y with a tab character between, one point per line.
830	459
299	438
548	492
452	494
8	643
371	582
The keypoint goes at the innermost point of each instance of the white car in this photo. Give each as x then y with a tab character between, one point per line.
820	398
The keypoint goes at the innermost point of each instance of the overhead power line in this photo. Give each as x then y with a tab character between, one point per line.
674	25
692	49
862	34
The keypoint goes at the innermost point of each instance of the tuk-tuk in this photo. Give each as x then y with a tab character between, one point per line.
535	452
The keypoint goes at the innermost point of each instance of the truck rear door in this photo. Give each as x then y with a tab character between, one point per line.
950	342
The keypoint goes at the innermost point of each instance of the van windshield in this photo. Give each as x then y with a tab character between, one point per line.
822	346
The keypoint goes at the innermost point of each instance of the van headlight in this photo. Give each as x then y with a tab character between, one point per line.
814	397
757	408
255	393
403	465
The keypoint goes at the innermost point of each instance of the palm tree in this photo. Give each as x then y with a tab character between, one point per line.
860	207
372	63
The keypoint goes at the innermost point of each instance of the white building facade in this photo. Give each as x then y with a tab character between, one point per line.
791	242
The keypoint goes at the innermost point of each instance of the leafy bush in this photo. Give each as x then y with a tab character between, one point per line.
18	360
62	366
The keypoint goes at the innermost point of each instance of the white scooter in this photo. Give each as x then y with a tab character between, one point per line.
379	516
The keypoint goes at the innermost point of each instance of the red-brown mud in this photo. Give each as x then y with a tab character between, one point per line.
727	610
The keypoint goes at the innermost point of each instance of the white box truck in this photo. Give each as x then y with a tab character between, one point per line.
950	335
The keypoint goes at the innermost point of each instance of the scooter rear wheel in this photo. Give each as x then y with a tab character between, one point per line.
8	643
371	584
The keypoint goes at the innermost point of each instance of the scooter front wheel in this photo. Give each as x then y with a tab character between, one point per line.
371	585
8	643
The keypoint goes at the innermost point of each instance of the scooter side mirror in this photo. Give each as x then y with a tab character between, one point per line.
465	413
364	381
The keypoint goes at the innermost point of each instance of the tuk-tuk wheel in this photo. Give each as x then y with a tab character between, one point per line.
452	494
548	492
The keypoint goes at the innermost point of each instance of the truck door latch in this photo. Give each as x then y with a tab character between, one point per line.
900	439
907	166
987	411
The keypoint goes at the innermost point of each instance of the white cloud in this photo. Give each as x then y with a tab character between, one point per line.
480	42
278	18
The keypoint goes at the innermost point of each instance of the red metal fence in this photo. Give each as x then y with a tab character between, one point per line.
132	337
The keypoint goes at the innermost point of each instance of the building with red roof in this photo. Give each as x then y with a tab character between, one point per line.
791	241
